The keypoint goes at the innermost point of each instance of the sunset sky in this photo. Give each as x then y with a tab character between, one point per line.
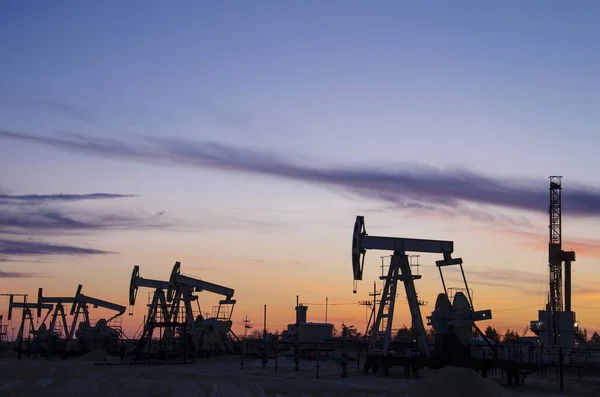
243	138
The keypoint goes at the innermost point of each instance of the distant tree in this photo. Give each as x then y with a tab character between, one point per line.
582	334
510	336
403	333
595	339
255	334
492	334
430	335
351	332
336	332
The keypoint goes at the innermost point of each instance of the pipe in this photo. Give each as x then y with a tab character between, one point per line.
567	286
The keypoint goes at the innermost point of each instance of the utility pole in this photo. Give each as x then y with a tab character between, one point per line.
265	323
264	355
326	304
297	341
373	305
374	294
247	326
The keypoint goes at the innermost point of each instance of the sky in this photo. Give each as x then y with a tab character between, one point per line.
243	138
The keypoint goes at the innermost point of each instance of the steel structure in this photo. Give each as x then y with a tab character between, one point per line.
556	257
100	334
556	326
58	311
27	326
461	315
3	332
181	293
399	270
172	311
555	244
81	307
158	315
159	300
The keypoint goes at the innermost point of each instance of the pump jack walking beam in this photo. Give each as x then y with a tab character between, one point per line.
59	310
399	270
187	284
80	306
181	288
26	315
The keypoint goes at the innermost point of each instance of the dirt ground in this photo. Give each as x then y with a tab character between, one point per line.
224	377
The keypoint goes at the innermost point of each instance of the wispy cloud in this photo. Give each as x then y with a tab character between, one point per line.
46	213
589	248
412	186
4	274
13	98
525	282
237	120
592	294
43	220
205	268
278	262
482	214
45	198
9	248
50	215
57	215
257	209
13	260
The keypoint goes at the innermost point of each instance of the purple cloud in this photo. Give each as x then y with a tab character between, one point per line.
42	220
10	248
413	187
44	198
4	274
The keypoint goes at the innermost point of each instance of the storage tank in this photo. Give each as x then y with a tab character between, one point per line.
301	314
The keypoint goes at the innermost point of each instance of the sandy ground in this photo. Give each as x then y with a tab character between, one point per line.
224	377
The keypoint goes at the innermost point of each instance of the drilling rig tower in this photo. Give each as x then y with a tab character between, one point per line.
556	325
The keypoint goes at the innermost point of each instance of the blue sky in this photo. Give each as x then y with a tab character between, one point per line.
314	112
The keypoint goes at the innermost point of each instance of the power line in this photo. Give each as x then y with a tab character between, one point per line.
587	307
515	308
482	299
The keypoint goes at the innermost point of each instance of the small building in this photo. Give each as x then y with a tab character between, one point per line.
311	332
308	332
567	326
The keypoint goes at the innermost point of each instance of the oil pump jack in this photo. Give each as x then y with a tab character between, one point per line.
58	311
207	334
158	315
27	327
3	333
454	320
171	310
49	337
99	335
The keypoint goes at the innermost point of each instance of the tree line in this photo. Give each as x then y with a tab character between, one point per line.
405	333
511	335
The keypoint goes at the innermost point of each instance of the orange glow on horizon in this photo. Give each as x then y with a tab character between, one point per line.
514	301
515	316
589	248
